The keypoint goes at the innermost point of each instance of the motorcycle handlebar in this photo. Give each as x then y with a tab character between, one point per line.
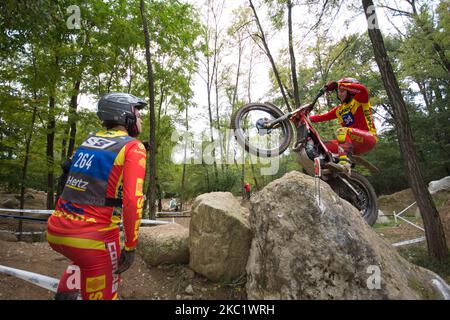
306	108
319	94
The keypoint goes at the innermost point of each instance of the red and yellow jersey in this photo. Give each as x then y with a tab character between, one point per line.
107	166
355	114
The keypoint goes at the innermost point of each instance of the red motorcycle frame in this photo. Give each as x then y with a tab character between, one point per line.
309	148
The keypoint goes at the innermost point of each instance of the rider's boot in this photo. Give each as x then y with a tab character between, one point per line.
343	167
345	163
345	151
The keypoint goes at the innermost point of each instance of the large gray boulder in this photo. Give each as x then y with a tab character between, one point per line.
7	235
219	237
438	185
382	219
11	203
302	252
164	244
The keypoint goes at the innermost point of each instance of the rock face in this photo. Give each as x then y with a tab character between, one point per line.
441	190
219	237
11	203
35	193
298	252
438	185
164	244
7	236
382	219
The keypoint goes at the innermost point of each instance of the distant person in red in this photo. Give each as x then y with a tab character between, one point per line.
357	134
247	190
103	186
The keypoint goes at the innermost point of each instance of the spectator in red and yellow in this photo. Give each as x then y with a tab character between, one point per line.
104	186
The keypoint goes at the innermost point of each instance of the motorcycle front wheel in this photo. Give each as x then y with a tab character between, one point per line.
248	125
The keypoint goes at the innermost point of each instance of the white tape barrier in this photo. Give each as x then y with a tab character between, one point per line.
402	243
147	221
173	212
442	286
27	211
409	222
13	232
35	278
143	221
51	211
404	210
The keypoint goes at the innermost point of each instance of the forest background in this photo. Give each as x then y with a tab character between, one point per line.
58	57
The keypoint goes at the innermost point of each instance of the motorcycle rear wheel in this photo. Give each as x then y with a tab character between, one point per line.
367	203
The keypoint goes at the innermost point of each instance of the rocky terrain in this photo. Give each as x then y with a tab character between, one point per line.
234	249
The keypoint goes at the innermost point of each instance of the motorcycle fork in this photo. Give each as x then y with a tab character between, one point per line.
348	184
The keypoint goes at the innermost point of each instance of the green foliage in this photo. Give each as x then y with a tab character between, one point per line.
40	57
352	56
418	254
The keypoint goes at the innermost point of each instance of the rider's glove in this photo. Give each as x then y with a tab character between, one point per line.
125	261
331	85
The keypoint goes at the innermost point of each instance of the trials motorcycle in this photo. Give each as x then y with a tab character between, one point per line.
265	131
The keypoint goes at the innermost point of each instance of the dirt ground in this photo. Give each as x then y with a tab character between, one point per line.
401	231
140	282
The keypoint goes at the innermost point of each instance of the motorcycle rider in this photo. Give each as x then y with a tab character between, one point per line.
103	187
357	134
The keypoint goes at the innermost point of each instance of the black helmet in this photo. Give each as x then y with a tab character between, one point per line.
118	109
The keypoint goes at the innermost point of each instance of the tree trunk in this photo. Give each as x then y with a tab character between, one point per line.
254	176
73	121
249	100
292	56
216	87
159	196
269	55
161	100
51	123
423	91
25	165
437	247
249	78
74	99
208	183
72	124
64	141
183	176
151	91
111	76
130	70
235	91
211	123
